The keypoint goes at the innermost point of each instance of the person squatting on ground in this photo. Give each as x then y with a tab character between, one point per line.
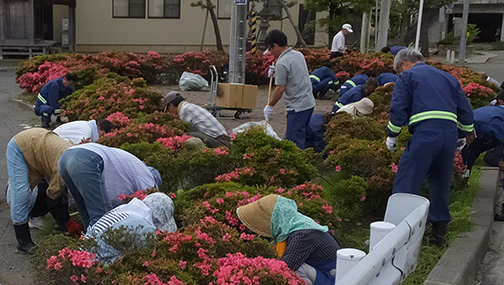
292	82
308	248
358	79
50	95
356	94
323	79
140	217
431	102
338	47
203	124
96	175
84	131
393	50
32	156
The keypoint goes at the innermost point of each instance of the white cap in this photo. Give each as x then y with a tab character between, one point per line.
347	27
364	106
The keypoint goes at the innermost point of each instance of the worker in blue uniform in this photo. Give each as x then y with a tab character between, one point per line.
358	79
488	133
386	78
50	95
316	130
356	94
431	102
393	50
322	79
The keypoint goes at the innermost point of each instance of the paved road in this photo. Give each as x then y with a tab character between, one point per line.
14	267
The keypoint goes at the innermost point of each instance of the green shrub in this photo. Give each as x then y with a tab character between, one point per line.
348	196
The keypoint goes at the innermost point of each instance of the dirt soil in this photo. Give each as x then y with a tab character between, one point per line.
277	120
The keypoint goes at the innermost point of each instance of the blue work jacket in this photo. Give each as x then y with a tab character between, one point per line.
358	79
322	73
489	123
386	77
424	92
353	95
52	92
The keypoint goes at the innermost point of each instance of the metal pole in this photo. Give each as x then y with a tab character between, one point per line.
383	25
364	32
368	41
376	24
463	36
238	42
419	24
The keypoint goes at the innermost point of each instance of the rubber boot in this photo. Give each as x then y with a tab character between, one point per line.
45	123
438	233
500	216
58	119
25	243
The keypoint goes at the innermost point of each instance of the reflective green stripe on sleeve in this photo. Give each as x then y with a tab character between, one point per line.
351	83
42	99
465	128
335	83
443	115
393	128
57	111
338	104
315	77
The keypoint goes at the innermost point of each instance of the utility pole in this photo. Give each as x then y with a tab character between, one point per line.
238	41
419	24
383	25
463	36
364	33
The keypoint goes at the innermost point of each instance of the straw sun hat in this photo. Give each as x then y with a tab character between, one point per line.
257	215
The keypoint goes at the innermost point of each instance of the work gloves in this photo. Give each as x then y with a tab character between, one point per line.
391	143
271	71
461	143
268	110
73	228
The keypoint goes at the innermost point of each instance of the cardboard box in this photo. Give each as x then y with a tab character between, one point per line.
249	96
229	95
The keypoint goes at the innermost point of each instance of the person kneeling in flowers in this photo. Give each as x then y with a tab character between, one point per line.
308	248
154	212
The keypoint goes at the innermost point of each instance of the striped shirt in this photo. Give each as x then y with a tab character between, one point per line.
201	119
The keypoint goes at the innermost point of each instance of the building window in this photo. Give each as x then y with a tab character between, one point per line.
129	8
224	9
164	9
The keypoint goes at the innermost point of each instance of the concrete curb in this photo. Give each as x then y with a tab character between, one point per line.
461	261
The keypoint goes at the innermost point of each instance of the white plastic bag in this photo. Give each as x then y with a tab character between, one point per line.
269	129
192	82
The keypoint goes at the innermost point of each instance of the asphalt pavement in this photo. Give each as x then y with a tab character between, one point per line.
14	267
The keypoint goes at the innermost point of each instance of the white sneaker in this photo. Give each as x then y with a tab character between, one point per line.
36	223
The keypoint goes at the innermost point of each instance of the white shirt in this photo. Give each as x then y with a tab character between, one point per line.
123	173
338	43
77	130
201	119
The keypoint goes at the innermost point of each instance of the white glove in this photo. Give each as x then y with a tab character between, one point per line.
391	143
271	71
268	110
461	143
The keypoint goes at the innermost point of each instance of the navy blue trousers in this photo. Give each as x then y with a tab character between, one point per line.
429	154
320	88
45	111
297	124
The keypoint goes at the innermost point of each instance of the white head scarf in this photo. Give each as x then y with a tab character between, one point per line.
161	208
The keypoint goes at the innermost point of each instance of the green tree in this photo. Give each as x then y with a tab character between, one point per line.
207	4
340	11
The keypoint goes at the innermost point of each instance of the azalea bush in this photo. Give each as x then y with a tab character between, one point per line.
262	160
220	201
109	95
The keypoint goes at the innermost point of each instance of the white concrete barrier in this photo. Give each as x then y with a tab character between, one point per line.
395	256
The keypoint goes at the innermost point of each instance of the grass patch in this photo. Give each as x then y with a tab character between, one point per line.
28	98
498	46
